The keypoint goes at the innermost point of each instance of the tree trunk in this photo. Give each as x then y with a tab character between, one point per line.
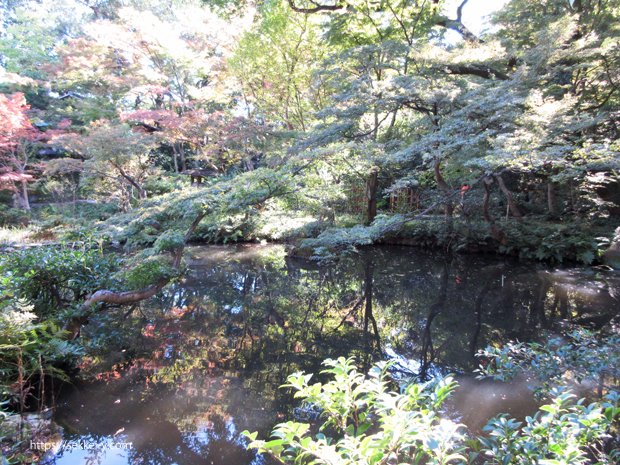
182	157
132	181
512	204
175	158
552	199
371	194
496	232
20	197
486	182
375	131
123	298
444	187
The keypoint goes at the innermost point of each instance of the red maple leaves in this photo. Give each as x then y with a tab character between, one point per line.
16	131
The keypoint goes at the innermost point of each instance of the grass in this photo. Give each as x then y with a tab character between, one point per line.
11	236
15	235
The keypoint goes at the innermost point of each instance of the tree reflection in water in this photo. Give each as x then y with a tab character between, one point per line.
180	376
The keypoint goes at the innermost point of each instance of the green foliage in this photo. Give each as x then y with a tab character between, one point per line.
580	356
28	351
338	240
169	241
371	424
13	216
278	78
550	242
327	96
364	421
563	432
51	278
527	239
162	185
149	271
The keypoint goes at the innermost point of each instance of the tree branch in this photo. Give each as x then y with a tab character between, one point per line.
482	71
459	11
316	8
458	26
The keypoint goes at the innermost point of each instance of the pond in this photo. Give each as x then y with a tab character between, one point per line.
189	370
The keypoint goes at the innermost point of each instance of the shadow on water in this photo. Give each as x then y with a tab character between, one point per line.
186	372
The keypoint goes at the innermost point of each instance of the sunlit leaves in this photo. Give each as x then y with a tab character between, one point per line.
562	432
374	425
275	64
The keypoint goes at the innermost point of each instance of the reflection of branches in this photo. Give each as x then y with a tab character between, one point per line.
368	315
538	308
272	313
313	299
428	351
352	309
478	309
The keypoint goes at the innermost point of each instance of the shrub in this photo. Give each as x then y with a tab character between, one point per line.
169	241
563	432
550	242
29	351
162	185
370	423
364	422
580	355
13	216
149	271
52	278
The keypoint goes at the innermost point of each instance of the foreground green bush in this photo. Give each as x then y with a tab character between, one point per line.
366	420
563	432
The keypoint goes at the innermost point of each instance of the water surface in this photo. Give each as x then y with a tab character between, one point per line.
182	375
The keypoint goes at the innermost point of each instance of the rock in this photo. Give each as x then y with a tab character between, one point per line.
612	255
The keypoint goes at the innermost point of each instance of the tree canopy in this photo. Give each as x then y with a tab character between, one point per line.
369	110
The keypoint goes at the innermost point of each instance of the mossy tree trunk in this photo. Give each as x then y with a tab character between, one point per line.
372	184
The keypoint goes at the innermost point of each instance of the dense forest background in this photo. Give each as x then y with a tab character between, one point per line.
304	119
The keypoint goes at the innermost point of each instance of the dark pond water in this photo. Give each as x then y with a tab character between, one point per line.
184	374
